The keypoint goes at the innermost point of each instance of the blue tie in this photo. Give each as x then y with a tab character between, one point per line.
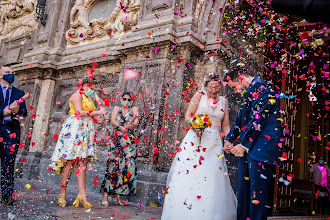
7	97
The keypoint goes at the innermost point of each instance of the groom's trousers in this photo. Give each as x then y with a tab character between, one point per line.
254	187
8	151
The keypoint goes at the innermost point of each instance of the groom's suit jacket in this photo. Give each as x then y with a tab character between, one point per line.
258	126
14	125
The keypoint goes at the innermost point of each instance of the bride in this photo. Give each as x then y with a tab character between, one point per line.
198	185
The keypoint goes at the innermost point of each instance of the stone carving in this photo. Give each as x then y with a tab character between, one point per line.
121	20
17	17
199	7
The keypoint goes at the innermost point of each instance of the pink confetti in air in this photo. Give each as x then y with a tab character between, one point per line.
196	34
155	50
211	102
90	167
224	83
129	74
177	12
177	142
257	116
172	46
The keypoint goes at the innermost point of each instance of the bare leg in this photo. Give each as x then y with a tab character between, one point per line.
66	174
81	179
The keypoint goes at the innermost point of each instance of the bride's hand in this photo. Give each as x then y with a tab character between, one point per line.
198	132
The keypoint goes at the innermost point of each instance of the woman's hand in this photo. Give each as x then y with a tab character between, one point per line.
198	132
122	129
129	126
102	111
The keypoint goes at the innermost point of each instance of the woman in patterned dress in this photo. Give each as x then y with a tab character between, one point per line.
75	146
120	176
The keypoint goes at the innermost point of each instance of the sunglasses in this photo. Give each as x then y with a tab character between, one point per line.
214	87
127	99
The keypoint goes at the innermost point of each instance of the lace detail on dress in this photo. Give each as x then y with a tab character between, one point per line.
216	114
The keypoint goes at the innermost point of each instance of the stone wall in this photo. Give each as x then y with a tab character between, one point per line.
172	43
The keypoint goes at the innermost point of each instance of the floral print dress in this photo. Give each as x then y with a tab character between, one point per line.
120	177
76	140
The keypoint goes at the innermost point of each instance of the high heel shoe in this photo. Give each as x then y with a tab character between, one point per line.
104	203
61	202
117	199
86	205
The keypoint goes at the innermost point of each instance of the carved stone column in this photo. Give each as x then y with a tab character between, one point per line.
41	126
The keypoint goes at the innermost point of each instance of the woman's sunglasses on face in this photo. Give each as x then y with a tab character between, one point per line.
213	87
127	99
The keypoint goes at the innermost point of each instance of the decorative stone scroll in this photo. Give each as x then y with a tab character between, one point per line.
17	17
123	17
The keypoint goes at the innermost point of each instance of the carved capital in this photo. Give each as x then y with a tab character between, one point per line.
17	17
123	17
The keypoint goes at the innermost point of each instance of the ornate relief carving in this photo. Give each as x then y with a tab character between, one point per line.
17	17
121	20
199	7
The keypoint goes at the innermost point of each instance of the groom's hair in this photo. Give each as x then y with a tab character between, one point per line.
235	72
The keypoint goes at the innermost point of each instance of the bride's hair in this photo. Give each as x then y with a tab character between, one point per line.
209	77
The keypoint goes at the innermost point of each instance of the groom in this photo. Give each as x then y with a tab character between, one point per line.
259	131
9	131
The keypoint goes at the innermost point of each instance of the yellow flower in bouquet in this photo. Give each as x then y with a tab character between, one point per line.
200	121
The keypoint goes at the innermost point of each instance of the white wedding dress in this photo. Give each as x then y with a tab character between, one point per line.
199	186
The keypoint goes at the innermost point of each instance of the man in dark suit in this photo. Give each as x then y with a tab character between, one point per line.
259	131
9	131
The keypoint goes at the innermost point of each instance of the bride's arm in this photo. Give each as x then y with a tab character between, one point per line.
193	105
225	121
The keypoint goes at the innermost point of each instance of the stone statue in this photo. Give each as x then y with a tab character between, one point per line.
118	23
121	21
76	15
199	7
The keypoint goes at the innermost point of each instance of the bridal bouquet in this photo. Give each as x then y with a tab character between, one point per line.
200	122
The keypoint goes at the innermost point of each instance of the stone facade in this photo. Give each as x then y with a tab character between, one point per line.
172	43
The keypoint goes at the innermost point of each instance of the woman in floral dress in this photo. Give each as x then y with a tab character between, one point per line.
76	143
120	176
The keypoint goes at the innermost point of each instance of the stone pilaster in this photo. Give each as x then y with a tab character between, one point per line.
43	113
41	126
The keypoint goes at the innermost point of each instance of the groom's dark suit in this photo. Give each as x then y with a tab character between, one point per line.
259	130
9	140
